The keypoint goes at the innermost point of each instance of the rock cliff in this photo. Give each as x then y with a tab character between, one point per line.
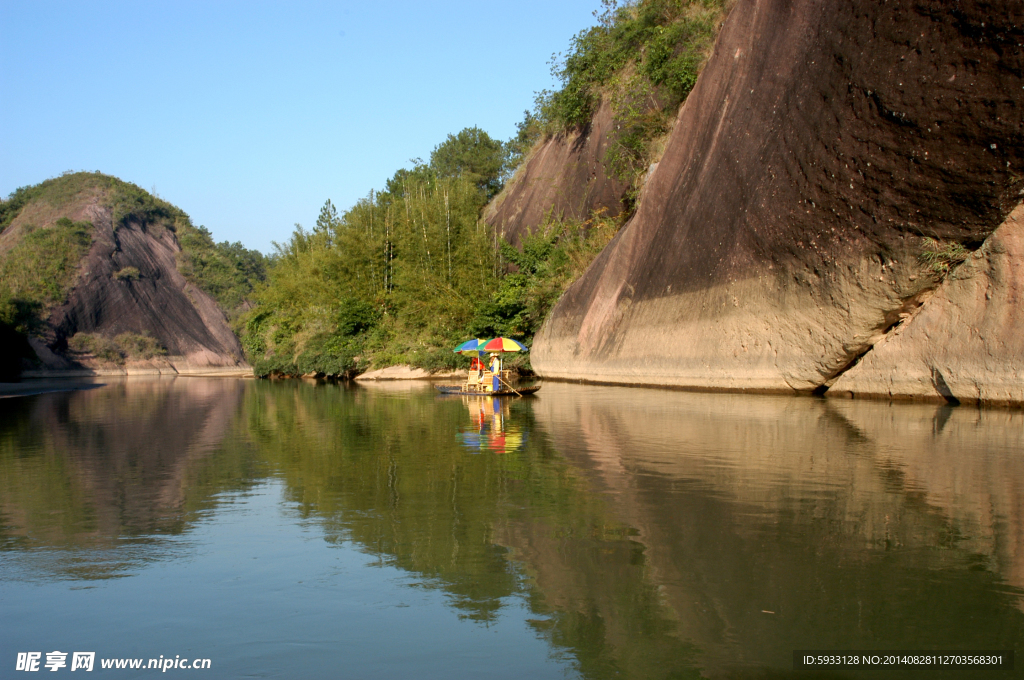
128	282
564	177
781	236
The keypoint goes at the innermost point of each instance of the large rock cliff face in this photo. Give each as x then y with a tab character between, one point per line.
564	177
780	237
160	303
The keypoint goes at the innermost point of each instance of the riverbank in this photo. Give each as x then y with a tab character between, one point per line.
205	372
30	387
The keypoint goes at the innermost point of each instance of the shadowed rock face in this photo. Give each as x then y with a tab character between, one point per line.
161	302
779	237
565	177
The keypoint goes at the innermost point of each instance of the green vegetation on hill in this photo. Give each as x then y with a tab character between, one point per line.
36	274
547	263
644	57
226	271
58	192
394	278
665	42
40	269
409	272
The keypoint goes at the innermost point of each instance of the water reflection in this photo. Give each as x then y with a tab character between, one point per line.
491	427
777	524
93	474
651	533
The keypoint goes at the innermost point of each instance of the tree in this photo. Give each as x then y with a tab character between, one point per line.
471	154
528	131
328	221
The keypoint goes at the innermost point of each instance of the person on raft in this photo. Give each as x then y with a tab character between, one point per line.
496	372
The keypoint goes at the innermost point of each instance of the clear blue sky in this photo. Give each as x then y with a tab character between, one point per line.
249	115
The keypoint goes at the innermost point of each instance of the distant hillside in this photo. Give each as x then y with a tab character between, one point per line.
97	274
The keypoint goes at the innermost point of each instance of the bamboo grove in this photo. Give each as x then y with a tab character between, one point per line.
395	278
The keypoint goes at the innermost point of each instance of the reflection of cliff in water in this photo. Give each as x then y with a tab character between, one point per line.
652	533
389	471
82	471
772	524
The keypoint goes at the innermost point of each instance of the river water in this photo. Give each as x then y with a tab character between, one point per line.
295	530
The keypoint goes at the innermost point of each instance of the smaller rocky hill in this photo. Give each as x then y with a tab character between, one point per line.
94	277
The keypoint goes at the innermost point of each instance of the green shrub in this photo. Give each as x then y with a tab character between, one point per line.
943	256
471	154
17	319
96	345
327	359
268	366
228	272
528	132
132	204
117	349
666	41
645	57
127	274
549	261
134	346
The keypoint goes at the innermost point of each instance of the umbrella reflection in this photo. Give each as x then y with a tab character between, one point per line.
490	428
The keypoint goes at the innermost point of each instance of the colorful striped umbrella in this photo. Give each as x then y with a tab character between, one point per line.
470	348
500	344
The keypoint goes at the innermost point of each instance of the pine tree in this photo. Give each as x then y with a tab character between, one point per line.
328	222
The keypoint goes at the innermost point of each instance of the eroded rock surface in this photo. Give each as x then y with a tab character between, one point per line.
965	343
779	237
565	177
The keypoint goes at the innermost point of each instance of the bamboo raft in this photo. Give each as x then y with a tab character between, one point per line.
480	385
504	392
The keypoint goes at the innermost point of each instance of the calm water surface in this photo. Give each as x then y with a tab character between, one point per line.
289	530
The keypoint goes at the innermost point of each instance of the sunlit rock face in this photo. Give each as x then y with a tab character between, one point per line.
564	178
781	235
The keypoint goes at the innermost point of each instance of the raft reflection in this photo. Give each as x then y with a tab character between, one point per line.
491	429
